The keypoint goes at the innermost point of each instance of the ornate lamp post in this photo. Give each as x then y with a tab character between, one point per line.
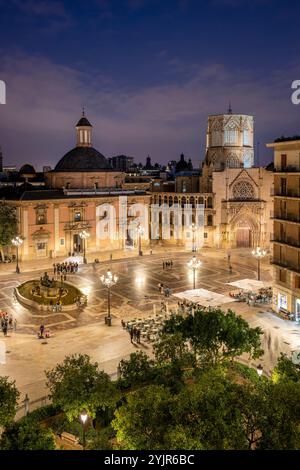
17	241
194	228
108	280
83	419
140	231
194	264
259	253
84	235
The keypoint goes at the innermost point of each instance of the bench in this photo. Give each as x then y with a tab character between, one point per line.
69	437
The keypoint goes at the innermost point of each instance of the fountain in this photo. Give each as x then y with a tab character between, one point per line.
47	292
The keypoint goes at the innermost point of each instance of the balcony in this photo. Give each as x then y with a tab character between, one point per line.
287	169
287	218
284	264
292	242
287	193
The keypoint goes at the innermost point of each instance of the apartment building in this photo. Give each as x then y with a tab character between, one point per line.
286	229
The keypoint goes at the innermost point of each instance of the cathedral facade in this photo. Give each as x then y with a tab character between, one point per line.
83	188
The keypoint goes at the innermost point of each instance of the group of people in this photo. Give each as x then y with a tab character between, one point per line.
57	307
65	268
134	332
263	296
167	264
166	291
7	322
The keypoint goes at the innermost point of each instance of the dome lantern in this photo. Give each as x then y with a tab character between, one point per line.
83	132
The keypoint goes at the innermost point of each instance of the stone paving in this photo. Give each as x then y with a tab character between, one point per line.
134	294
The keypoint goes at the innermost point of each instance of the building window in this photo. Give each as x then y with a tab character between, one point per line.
217	138
41	246
283	161
243	190
231	134
245	137
282	275
297	282
205	235
77	216
283	186
282	301
41	215
41	218
62	241
209	220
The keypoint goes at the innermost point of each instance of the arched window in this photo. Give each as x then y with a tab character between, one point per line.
210	220
231	134
233	161
246	137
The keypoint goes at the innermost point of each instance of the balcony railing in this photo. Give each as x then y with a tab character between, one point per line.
284	264
287	169
287	241
286	218
287	193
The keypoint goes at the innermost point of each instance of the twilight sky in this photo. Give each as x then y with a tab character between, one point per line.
148	72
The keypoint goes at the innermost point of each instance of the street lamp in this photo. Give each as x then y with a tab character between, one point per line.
17	241
259	253
83	419
84	235
108	280
140	231
194	228
259	370
194	264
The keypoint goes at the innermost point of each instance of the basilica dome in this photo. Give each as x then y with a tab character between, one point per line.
83	159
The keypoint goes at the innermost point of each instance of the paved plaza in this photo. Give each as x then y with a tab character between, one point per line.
135	295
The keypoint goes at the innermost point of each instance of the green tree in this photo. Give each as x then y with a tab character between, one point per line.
27	435
285	370
9	396
215	336
78	384
8	225
141	423
173	349
280	416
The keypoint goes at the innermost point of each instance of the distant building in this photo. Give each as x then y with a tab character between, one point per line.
121	162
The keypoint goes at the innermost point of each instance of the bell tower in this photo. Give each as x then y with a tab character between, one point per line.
83	132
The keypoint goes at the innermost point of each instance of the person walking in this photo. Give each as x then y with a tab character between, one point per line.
131	335
15	324
4	328
42	329
138	336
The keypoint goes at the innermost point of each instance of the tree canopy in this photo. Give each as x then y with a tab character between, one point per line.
27	435
8	224
9	396
78	384
215	336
